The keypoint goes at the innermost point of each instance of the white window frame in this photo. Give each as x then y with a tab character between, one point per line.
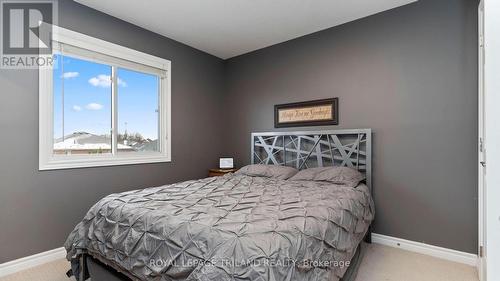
48	160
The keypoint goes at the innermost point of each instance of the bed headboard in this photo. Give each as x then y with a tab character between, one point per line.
350	148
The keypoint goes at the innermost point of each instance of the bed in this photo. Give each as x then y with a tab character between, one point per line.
237	227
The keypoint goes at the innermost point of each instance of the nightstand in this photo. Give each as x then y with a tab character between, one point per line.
220	172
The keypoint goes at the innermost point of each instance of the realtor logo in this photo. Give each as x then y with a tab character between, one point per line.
26	33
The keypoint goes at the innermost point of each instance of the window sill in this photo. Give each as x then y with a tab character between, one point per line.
60	163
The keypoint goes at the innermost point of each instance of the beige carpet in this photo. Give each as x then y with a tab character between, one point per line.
380	263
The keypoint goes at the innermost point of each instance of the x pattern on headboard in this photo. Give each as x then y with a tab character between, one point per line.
350	148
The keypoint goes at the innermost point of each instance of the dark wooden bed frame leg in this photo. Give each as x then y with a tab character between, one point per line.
368	236
83	268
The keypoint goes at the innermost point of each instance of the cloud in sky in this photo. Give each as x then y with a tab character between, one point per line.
77	108
94	106
104	81
100	81
68	75
121	83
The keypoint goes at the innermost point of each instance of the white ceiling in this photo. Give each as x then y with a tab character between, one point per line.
228	28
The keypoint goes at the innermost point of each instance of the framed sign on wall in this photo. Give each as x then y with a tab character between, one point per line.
308	113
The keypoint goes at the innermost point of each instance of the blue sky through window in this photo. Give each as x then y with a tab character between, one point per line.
138	103
87	99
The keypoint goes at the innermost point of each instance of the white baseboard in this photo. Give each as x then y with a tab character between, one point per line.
426	249
31	261
417	247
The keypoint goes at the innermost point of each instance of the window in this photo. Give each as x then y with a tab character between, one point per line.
102	104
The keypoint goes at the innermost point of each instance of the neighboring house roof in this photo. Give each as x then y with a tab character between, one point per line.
86	141
149	145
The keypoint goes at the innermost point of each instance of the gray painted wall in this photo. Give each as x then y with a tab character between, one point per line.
39	209
410	74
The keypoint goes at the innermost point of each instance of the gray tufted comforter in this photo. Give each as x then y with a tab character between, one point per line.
233	227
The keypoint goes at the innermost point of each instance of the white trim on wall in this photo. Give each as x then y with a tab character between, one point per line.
492	129
98	49
426	249
80	40
412	246
481	188
31	261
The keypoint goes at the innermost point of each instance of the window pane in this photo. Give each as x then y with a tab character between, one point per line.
138	111
82	106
